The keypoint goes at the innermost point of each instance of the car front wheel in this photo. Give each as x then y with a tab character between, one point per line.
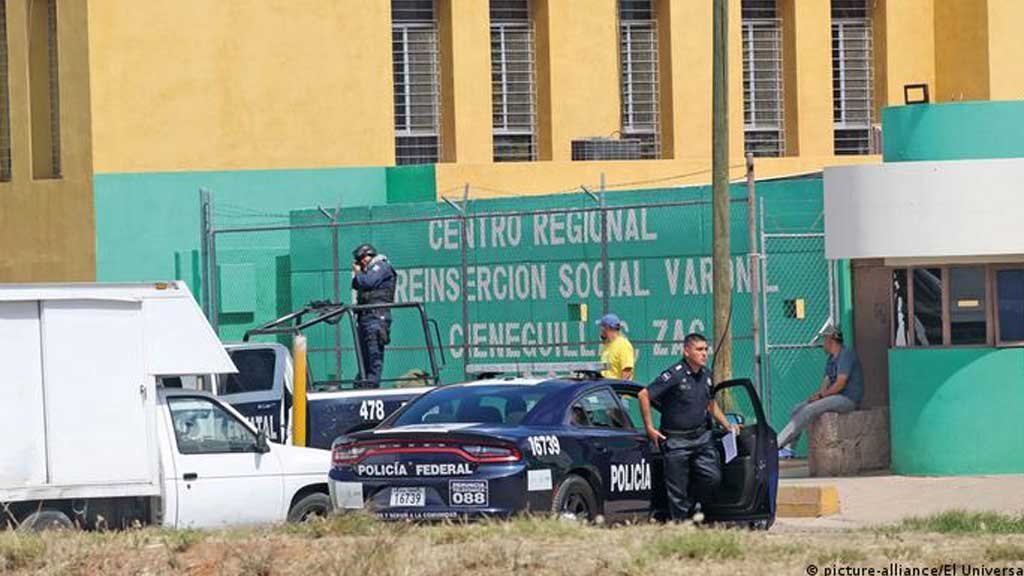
317	505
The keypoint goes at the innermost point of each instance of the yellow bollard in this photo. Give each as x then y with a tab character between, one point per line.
299	390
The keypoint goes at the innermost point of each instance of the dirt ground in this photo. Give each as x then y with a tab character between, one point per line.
986	545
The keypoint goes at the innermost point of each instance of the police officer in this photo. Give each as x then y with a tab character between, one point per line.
683	394
373	279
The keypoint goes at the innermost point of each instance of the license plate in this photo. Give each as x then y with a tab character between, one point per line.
406	497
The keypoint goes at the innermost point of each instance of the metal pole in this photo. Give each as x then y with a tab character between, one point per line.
464	243
204	248
336	257
214	283
720	186
755	266
767	341
605	271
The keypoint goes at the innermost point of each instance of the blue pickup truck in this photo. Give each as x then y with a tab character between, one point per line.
263	387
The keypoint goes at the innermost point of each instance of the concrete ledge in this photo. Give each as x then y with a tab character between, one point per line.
848	444
807	501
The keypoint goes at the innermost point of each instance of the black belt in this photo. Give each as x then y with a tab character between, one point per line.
687	433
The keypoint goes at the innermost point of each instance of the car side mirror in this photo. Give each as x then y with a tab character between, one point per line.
262	444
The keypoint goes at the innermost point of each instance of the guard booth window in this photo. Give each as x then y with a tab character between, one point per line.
942	306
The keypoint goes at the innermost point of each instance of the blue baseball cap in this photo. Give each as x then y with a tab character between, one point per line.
611	321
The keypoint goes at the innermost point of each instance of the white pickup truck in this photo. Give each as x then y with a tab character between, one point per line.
92	437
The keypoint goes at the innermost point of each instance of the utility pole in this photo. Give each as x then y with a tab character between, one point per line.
720	191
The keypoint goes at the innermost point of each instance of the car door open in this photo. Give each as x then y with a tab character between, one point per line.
750	479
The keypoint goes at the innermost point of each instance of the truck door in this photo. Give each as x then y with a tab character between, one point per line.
257	390
221	474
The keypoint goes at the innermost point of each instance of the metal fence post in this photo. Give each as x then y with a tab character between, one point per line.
464	244
214	281
335	241
754	264
204	249
605	272
767	360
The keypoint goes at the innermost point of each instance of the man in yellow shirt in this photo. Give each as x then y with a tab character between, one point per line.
616	351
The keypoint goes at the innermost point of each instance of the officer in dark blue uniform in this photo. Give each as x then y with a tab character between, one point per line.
373	279
683	394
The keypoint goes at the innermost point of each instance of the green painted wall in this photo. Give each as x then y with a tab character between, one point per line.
957	411
659	288
148	228
411	184
953	131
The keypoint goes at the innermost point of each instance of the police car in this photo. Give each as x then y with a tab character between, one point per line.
572	447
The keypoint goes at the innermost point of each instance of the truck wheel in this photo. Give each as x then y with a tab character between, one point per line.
574	500
316	505
46	519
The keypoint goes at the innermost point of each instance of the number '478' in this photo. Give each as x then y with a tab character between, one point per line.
372	410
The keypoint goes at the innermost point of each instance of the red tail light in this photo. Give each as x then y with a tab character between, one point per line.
480	453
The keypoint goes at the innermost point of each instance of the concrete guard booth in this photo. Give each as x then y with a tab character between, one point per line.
935	239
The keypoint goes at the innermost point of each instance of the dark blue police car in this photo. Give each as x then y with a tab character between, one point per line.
570	447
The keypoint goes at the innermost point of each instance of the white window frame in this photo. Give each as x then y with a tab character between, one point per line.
843	105
408	132
648	133
756	64
508	132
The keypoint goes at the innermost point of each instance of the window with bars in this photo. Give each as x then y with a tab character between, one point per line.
417	82
44	89
852	76
763	104
638	62
513	85
5	104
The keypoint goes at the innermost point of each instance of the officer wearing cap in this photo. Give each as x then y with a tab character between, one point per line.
683	394
841	389
616	350
373	279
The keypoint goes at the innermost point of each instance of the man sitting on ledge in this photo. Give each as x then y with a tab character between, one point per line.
841	390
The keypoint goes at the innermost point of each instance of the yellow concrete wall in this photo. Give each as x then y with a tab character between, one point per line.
465	38
961	50
533	178
904	48
807	74
1005	49
577	73
46	226
234	84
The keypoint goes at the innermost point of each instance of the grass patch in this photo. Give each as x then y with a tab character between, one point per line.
844	556
963	522
179	541
516	528
698	545
1004	553
347	524
19	551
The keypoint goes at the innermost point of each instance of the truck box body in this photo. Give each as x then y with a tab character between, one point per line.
78	409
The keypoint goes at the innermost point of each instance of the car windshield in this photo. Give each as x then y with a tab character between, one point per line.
507	404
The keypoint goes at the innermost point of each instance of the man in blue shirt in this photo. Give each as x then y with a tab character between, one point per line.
842	389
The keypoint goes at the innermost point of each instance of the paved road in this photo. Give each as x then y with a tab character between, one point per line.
885	499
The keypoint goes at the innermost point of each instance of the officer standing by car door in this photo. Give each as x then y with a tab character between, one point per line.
373	279
684	395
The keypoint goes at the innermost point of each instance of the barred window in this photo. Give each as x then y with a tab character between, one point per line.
638	61
852	76
416	81
5	103
763	105
44	89
512	81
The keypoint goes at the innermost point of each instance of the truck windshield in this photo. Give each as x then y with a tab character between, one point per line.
507	404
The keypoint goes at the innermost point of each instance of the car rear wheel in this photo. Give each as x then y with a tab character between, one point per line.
574	500
317	505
